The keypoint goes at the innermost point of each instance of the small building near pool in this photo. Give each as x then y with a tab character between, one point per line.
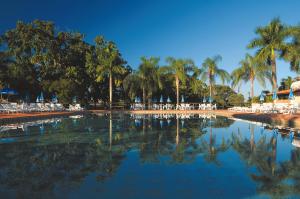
283	95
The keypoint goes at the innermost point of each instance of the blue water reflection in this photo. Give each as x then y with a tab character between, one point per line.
143	156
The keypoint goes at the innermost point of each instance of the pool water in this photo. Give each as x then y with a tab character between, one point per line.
147	156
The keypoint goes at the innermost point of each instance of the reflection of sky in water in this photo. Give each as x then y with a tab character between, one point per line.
205	157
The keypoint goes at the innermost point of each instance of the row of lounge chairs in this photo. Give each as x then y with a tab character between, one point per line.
182	106
284	108
32	107
36	107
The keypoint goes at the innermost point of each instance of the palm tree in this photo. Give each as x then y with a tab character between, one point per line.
271	44
107	62
146	79
131	85
180	69
250	70
148	73
236	78
292	53
211	71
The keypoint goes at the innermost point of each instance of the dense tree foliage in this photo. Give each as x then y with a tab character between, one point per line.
35	57
39	58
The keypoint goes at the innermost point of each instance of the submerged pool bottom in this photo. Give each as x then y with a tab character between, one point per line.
143	156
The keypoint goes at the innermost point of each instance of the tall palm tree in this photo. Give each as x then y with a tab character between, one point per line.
211	71
113	65
250	70
146	79
271	45
105	61
148	73
180	69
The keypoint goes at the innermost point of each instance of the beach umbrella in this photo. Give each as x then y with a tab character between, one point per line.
161	99
169	100
262	97
54	99
8	91
291	95
74	100
136	99
274	97
204	99
37	99
210	99
42	97
182	99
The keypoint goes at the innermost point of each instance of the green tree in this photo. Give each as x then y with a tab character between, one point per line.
210	71
286	83
292	52
148	73
250	70
106	61
42	57
271	45
131	85
179	69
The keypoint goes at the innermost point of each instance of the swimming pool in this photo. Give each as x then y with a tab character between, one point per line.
147	156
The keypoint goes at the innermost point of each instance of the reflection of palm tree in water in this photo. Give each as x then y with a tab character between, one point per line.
211	140
110	131
177	132
274	153
252	141
211	149
262	155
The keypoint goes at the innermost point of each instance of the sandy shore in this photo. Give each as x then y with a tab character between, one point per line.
276	119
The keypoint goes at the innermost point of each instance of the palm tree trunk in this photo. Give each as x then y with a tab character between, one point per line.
252	143
252	87
210	91
149	100
274	72
177	131
177	89
110	89
144	96
144	125
211	147
110	130
274	153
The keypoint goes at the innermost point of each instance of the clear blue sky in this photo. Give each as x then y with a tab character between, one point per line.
185	29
